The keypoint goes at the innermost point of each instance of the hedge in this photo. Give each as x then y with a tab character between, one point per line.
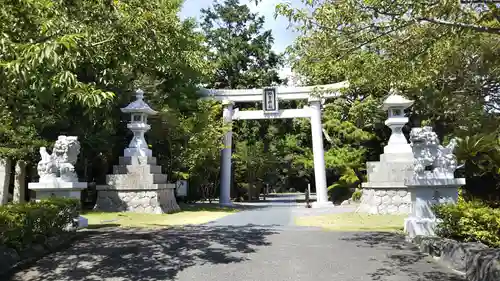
24	224
469	222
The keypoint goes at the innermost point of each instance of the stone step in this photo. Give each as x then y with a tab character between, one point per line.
396	157
135	179
136	169
137	187
137	160
389	172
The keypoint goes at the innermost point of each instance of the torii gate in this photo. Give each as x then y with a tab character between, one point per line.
270	98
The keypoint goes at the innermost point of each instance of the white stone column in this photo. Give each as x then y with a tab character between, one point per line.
319	154
4	180
225	177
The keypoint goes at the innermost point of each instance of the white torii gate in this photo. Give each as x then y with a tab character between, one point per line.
270	98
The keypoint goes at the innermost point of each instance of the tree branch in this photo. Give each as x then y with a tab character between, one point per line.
462	25
351	50
102	42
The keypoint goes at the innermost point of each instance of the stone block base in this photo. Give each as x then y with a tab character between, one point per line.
327	204
153	201
414	227
380	201
57	189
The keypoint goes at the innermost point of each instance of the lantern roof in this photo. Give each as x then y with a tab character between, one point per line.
139	106
394	99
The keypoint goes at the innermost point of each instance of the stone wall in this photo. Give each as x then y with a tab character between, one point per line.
155	201
475	260
385	200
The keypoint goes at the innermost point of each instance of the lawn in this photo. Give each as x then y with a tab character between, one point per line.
354	222
190	214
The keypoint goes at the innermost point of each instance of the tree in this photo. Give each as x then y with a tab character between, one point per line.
242	57
240	50
441	54
376	47
66	67
199	158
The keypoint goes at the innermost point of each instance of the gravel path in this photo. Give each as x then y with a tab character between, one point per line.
255	245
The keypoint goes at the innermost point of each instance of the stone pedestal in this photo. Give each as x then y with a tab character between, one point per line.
137	185
60	189
318	205
385	191
426	192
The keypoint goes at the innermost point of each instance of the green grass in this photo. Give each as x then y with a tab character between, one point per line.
189	214
354	222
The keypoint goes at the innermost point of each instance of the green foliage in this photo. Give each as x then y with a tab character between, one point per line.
66	67
348	128
240	51
356	195
443	55
480	155
241	56
340	190
469	221
24	224
252	165
435	53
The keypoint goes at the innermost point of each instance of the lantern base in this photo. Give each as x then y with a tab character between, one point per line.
137	185
144	152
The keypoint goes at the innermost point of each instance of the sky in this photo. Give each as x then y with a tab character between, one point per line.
283	36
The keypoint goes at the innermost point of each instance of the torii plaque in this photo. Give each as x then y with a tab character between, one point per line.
270	100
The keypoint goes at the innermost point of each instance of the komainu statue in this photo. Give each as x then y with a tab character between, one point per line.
60	164
431	158
47	169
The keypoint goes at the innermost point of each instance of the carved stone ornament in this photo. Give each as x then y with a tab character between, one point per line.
431	158
60	164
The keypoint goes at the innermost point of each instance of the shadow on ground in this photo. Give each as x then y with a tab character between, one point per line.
142	254
402	256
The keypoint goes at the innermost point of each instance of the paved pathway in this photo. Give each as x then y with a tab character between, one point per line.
255	245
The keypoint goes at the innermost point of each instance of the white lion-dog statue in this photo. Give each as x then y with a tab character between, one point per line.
428	153
60	164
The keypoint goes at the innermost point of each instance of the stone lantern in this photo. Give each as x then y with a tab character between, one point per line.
385	191
395	105
139	112
137	183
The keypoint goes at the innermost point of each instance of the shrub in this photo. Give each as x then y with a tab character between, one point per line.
470	222
356	195
339	192
28	223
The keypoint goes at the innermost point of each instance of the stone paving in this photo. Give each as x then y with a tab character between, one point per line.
254	245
